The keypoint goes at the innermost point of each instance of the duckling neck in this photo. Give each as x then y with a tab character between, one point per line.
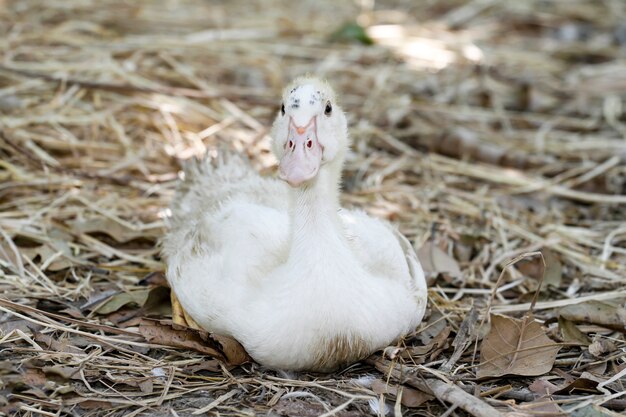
314	211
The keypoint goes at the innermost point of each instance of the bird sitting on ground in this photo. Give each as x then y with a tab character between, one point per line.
277	264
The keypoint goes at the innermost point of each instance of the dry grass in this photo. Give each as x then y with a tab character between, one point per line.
488	128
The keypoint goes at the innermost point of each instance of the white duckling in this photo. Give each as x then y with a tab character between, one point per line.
300	282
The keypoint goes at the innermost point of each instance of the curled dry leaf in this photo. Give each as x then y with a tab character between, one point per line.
571	333
166	333
434	347
599	348
586	384
516	347
554	269
596	312
428	330
550	275
155	278
435	261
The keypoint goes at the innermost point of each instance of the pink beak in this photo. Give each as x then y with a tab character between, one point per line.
303	154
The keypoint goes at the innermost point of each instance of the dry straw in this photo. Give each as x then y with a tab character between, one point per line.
486	128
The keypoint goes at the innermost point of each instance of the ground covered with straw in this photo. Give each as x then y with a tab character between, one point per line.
492	133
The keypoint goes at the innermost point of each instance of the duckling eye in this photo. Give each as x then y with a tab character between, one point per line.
329	109
309	143
282	109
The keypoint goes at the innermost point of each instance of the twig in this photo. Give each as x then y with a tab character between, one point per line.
526	395
444	391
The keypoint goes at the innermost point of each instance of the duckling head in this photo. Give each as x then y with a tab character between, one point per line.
310	131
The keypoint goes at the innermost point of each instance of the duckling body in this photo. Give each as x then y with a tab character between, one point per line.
301	283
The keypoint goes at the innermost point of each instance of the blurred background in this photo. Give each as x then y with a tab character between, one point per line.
455	108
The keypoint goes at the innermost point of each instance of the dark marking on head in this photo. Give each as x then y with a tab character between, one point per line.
294	102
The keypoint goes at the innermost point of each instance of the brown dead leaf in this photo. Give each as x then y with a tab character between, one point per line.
596	312
554	269
212	365
435	261
437	343
586	384
146	386
428	330
551	273
542	387
410	397
156	279
166	333
571	333
516	347
73	312
152	301
598	369
97	298
65	372
234	352
119	300
34	377
599	348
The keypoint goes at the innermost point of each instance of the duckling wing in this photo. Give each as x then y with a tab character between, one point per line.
228	229
208	184
385	252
